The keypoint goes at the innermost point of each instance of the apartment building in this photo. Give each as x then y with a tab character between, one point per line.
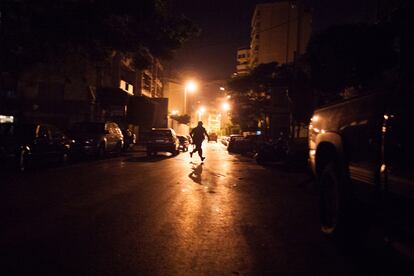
243	61
279	32
75	89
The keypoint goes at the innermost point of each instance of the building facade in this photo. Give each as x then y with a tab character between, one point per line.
74	89
279	32
174	90
243	61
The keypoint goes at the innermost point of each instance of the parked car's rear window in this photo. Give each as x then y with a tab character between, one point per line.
236	138
161	133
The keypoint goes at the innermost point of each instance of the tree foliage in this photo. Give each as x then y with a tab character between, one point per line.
253	94
349	56
33	31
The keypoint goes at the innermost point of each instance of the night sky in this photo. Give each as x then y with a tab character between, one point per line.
225	26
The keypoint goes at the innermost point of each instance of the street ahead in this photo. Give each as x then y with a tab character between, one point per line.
165	216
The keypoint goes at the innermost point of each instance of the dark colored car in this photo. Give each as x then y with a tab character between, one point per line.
273	151
247	144
234	143
130	139
23	144
97	139
162	140
362	151
184	142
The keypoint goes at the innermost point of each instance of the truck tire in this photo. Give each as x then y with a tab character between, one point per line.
335	205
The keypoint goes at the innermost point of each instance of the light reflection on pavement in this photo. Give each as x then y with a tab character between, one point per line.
163	216
207	238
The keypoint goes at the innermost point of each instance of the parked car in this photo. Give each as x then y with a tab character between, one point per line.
97	139
253	142
212	137
184	142
130	139
362	150
244	144
234	143
273	151
225	140
162	140
22	144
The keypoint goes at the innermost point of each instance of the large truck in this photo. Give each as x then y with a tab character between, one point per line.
362	153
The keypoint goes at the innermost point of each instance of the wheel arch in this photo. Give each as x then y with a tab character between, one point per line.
329	148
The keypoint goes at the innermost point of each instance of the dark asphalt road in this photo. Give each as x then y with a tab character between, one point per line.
165	216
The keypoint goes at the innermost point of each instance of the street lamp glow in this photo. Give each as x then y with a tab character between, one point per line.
225	106
202	110
222	88
191	86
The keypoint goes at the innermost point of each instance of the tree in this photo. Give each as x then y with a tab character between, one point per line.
40	31
349	56
252	95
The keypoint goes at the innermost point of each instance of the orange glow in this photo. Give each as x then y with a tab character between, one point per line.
191	86
225	106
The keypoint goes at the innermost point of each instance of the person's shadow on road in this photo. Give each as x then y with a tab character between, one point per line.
195	175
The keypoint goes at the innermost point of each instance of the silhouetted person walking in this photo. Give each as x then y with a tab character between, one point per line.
198	135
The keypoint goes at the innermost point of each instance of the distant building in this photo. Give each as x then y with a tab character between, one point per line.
174	90
243	61
73	89
280	32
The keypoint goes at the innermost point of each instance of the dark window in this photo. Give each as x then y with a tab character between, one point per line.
161	133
